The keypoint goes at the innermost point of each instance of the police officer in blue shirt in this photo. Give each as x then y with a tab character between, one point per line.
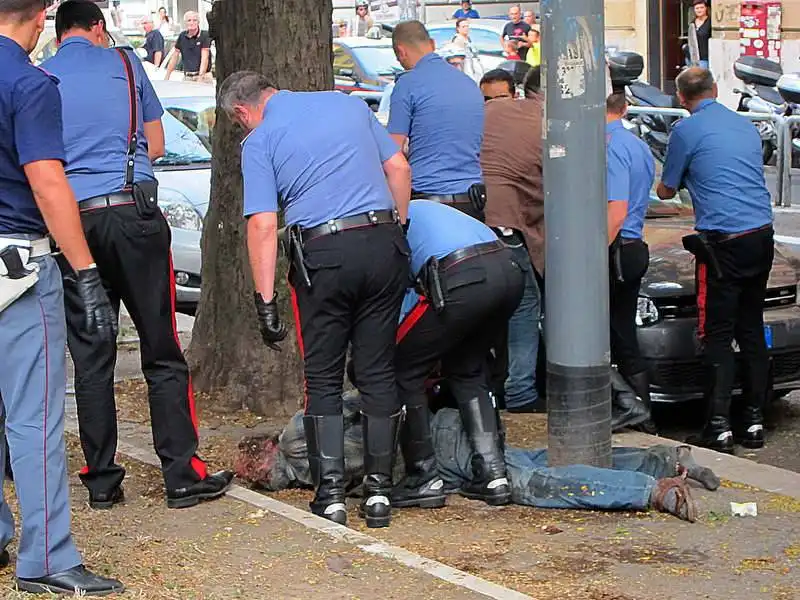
466	11
716	154
631	170
323	158
439	111
472	286
111	173
35	199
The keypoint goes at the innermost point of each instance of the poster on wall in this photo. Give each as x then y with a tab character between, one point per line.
760	29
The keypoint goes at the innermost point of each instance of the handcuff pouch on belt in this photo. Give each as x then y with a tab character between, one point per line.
293	246
616	260
704	251
17	275
145	193
477	196
430	280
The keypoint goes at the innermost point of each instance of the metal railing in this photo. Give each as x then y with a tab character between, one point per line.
783	191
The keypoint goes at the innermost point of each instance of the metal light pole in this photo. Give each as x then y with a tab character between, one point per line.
576	293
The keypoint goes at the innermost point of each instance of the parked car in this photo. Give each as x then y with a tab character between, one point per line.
364	67
484	33
667	310
184	178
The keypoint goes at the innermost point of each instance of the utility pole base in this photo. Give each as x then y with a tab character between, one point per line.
578	415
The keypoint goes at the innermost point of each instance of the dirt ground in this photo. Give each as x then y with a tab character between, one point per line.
550	553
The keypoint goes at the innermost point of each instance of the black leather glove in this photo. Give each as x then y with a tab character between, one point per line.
272	329
100	317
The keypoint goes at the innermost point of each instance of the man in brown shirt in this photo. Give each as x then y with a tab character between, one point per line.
511	161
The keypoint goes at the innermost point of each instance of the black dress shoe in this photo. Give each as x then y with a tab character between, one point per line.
752	437
77	580
106	500
210	488
722	442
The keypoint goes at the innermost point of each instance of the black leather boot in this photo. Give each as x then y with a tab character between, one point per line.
756	389
380	442
626	409
717	434
421	485
641	385
325	440
489	482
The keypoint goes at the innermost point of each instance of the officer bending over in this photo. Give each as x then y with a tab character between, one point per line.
439	110
472	285
339	177
108	166
716	154
35	199
631	170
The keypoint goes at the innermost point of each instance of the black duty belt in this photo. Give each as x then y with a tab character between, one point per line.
463	254
629	241
334	226
715	236
118	199
443	198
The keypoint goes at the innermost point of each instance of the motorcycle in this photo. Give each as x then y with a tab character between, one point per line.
760	95
789	89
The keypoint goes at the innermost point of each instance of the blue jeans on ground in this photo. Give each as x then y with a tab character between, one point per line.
523	339
626	486
33	382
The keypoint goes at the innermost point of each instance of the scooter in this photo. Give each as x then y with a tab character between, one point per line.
789	89
760	95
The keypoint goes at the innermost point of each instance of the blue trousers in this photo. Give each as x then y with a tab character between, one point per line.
523	338
33	388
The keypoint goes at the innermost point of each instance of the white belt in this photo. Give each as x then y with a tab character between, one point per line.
36	248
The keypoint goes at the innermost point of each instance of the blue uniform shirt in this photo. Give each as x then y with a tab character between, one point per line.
322	152
437	230
717	153
440	109
466	14
30	131
630	174
94	96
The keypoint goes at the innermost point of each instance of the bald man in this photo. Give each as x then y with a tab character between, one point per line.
194	46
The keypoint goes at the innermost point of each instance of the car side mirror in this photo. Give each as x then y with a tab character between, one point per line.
348	73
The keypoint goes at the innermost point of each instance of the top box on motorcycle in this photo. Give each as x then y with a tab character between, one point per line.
789	87
754	70
624	68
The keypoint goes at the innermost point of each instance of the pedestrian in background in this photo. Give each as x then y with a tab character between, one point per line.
153	43
111	136
530	18
164	23
194	47
716	154
629	179
363	21
439	111
516	30
511	160
36	200
534	55
466	11
349	267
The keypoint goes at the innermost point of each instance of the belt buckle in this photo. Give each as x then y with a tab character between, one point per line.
332	227
372	217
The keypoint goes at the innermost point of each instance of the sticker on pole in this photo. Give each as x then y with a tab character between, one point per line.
573	65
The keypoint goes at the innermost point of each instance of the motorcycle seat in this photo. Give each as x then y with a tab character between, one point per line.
651	95
770	94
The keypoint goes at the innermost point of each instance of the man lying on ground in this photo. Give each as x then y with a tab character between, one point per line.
640	479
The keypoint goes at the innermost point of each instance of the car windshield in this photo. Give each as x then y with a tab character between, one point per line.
483	40
377	59
188	126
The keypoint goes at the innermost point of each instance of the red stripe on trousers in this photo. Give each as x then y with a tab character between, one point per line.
411	319
702	299
44	465
299	330
198	465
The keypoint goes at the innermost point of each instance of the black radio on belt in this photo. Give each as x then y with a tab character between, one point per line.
430	281
703	250
293	246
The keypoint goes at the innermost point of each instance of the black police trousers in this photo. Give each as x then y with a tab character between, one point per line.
358	280
730	307
481	293
624	297
134	260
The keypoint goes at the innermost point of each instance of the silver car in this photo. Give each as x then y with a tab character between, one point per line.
184	178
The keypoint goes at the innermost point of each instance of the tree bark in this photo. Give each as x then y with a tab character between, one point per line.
290	42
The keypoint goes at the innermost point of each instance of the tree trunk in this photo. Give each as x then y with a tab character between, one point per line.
290	42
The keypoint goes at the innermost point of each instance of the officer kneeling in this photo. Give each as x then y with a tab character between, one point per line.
339	177
717	155
471	286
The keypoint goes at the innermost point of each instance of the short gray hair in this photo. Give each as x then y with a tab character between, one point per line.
694	83
20	11
243	88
